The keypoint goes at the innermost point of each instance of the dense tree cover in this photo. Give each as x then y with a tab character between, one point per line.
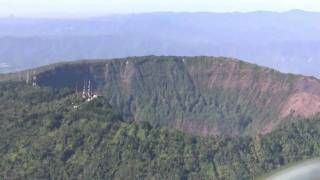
42	136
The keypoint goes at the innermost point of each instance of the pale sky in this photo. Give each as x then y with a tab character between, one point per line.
104	7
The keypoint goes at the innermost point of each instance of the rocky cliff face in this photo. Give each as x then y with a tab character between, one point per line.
200	95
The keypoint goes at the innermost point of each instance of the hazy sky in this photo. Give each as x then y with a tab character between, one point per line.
99	7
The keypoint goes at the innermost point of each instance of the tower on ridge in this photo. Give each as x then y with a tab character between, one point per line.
84	89
34	79
28	77
89	89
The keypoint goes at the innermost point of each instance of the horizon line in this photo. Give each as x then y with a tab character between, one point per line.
59	15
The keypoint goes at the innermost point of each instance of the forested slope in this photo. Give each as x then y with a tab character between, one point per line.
43	136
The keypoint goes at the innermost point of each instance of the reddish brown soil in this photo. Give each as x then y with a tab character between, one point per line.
303	102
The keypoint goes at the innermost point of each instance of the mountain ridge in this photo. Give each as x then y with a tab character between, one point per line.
199	95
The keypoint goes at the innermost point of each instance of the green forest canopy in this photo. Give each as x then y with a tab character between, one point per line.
42	136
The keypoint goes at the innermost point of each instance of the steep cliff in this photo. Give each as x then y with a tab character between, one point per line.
199	95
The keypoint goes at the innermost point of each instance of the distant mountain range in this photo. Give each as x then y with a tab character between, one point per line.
287	41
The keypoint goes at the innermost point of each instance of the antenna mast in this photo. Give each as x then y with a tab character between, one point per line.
34	79
84	89
89	89
28	77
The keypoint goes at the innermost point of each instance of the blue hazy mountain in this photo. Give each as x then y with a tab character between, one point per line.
287	41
